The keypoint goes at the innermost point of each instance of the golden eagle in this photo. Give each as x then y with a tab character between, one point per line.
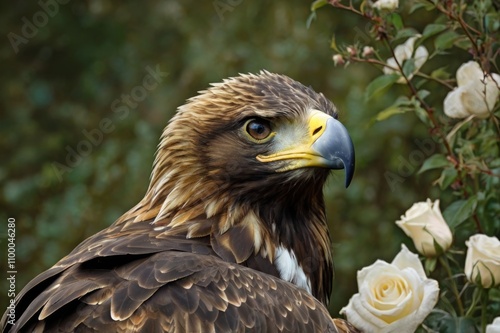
231	235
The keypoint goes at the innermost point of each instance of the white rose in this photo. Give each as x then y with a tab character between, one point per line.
386	4
392	297
476	93
405	52
483	259
425	224
494	327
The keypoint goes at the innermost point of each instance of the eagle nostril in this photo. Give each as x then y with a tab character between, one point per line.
317	130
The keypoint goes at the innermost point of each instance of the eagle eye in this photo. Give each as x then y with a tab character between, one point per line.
259	129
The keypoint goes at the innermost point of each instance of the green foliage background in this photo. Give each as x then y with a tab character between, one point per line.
64	80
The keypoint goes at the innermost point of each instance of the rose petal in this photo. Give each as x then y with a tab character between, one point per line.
416	210
494	327
360	317
365	272
453	106
407	259
492	90
392	63
412	321
469	72
403	52
474	100
421	55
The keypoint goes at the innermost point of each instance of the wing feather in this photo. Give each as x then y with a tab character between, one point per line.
208	295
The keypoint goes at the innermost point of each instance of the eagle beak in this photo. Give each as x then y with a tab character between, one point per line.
327	145
336	149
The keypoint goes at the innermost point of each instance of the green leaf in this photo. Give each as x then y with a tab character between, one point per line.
379	84
409	67
315	6
448	176
457	325
446	40
422	114
401	105
494	295
396	21
492	21
311	18
422	93
428	5
440	73
389	112
318	4
430	265
434	162
333	44
416	6
466	325
433	29
464	43
405	101
459	211
362	6
405	33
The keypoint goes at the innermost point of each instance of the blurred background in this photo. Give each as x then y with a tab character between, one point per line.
65	72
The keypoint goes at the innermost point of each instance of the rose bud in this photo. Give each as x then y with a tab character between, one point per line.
338	60
425	225
368	51
482	263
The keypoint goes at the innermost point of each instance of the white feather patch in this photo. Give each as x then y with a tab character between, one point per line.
289	269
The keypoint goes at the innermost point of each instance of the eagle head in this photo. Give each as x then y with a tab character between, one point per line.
244	163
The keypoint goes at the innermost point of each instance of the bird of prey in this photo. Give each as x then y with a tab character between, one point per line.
231	235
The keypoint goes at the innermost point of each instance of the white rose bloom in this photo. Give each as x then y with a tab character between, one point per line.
392	297
425	224
482	262
386	4
476	93
405	52
494	327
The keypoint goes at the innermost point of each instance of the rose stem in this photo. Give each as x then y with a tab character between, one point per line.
484	303
446	264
